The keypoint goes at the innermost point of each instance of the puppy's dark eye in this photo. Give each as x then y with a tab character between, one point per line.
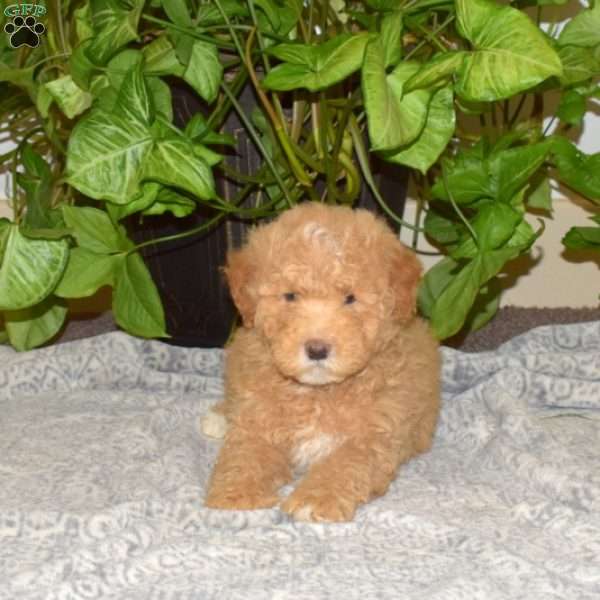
350	299
290	296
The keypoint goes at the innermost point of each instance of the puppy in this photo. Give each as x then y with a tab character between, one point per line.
332	375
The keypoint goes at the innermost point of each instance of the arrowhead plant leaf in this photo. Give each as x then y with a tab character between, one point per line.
204	71
433	139
136	303
583	29
509	54
86	273
111	153
31	327
395	119
316	67
29	269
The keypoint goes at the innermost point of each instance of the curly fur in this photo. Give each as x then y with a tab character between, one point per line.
332	374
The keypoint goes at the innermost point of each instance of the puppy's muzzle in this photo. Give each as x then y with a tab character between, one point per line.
317	349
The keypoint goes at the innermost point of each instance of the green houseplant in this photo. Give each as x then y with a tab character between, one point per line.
335	82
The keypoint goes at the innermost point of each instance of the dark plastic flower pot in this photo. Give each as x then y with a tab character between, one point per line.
198	309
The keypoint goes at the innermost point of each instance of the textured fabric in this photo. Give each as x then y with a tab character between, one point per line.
511	321
102	472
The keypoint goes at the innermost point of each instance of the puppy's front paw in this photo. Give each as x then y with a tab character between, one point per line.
319	505
239	500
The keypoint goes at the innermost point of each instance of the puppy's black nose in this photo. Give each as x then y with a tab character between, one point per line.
317	349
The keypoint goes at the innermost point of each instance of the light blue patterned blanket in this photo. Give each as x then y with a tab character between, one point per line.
102	472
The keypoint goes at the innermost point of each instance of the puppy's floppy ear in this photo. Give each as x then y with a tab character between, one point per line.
405	274
240	272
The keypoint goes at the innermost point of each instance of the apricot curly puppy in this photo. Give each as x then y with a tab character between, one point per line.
332	373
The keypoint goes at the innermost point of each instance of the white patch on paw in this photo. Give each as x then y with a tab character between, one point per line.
304	513
213	425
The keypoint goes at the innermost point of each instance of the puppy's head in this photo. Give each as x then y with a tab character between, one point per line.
325	286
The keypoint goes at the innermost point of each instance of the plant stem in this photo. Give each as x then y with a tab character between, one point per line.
415	237
434	32
343	121
242	177
177	236
265	58
49	58
316	128
188	31
15	204
278	126
300	24
329	174
324	12
306	157
254	135
549	125
215	120
352	176
455	205
263	211
431	37
269	34
422	184
255	29
363	161
420	4
505	113
517	111
298	108
59	22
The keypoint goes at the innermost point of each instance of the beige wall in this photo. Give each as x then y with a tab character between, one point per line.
5	210
552	276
